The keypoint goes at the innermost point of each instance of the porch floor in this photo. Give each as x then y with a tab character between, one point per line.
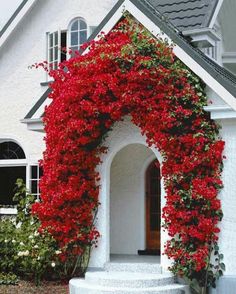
127	258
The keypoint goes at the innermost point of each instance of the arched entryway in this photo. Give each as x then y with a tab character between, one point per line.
124	135
135	201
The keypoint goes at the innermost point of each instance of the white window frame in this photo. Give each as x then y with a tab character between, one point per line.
53	63
37	179
69	31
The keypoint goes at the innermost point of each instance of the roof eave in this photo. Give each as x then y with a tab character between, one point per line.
203	37
15	19
34	124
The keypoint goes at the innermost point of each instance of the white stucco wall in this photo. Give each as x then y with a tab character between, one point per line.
20	86
127	199
227	239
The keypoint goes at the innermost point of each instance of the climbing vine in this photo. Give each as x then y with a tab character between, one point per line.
129	72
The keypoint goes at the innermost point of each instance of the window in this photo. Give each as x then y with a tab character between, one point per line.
56	45
35	175
77	34
12	166
11	150
58	41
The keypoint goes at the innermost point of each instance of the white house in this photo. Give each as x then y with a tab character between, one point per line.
36	32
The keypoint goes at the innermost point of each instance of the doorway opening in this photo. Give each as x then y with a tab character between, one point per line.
135	208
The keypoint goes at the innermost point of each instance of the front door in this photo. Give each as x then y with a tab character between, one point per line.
153	208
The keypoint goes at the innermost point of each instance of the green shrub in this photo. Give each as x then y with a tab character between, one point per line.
8	279
23	251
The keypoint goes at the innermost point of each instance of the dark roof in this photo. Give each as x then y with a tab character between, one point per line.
13	17
186	14
149	8
222	75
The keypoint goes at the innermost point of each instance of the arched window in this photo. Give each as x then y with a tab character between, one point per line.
11	150
12	167
78	34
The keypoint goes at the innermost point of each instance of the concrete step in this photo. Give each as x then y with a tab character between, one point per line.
128	279
149	268
81	286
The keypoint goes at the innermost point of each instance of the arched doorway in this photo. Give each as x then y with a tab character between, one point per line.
153	208
135	202
113	216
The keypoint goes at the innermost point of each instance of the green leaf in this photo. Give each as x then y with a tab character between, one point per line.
216	247
222	266
221	256
221	273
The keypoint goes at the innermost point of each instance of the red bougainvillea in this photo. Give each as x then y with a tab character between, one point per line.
129	72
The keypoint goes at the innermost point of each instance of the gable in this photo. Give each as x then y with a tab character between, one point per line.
217	78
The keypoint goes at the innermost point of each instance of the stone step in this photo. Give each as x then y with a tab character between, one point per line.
81	286
149	268
128	279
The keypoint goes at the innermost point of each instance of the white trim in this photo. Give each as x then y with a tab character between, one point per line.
34	124
221	112
68	37
216	12
204	38
13	162
8	211
25	9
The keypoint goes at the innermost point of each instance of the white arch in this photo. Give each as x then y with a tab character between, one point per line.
123	134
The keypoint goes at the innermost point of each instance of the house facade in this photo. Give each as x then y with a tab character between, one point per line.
131	197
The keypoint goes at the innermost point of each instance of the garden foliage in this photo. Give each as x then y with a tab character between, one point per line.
26	253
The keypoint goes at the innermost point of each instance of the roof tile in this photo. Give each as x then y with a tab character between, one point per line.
186	14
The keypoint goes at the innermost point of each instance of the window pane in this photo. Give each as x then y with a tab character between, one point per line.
8	177
40	172
83	25
75	26
63	40
63	46
83	37
50	40
74	38
51	54
56	53
56	38
73	49
34	186
34	172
